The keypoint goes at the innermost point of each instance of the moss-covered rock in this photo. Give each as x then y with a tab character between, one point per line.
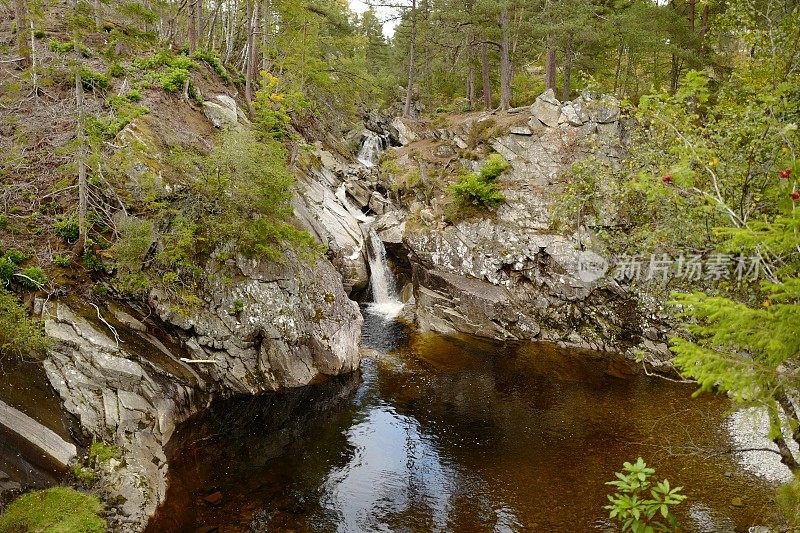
55	510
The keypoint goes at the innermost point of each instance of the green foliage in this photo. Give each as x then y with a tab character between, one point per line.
62	261
39	33
3	221
214	62
129	253
85	475
639	504
244	179
174	79
480	190
16	256
101	452
7	269
139	11
67	228
274	107
59	509
92	80
115	70
494	166
32	278
19	335
788	500
61	47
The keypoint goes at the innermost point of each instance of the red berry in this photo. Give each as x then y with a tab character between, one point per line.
795	195
785	173
667	179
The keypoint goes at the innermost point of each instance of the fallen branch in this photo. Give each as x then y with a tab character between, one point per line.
103	320
186	360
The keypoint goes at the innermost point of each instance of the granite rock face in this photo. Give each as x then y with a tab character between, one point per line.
279	326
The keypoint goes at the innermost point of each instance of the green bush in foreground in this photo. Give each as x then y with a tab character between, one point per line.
640	505
56	510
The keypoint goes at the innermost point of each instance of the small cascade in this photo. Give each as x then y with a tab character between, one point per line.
385	299
371	149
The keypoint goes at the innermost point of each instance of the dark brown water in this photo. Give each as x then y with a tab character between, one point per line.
455	434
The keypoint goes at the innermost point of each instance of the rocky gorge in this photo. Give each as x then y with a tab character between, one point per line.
130	374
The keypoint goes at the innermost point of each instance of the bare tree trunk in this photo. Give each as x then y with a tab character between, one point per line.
691	13
487	82
618	70
23	24
82	183
550	67
266	16
200	23
505	62
567	70
411	60
249	66
192	30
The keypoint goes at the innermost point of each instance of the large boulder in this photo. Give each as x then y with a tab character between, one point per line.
547	108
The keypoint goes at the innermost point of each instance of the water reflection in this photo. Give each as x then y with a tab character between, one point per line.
455	434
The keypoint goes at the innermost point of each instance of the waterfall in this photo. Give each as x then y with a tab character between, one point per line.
371	149
382	283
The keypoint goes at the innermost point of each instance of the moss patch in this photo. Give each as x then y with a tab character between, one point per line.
56	510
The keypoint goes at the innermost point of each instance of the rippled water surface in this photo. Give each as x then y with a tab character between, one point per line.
455	434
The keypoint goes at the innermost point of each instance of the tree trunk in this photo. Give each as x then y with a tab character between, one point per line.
691	7
192	25
82	183
487	81
266	16
411	59
23	42
550	67
249	66
783	448
505	62
567	70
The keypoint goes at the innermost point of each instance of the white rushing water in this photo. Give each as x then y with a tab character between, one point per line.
371	149
385	299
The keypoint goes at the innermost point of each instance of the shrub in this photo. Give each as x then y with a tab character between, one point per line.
3	221
7	269
32	278
639	504
39	33
94	80
134	95
67	228
139	11
62	261
18	334
174	79
494	166
116	70
472	189
55	509
16	256
215	63
61	48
